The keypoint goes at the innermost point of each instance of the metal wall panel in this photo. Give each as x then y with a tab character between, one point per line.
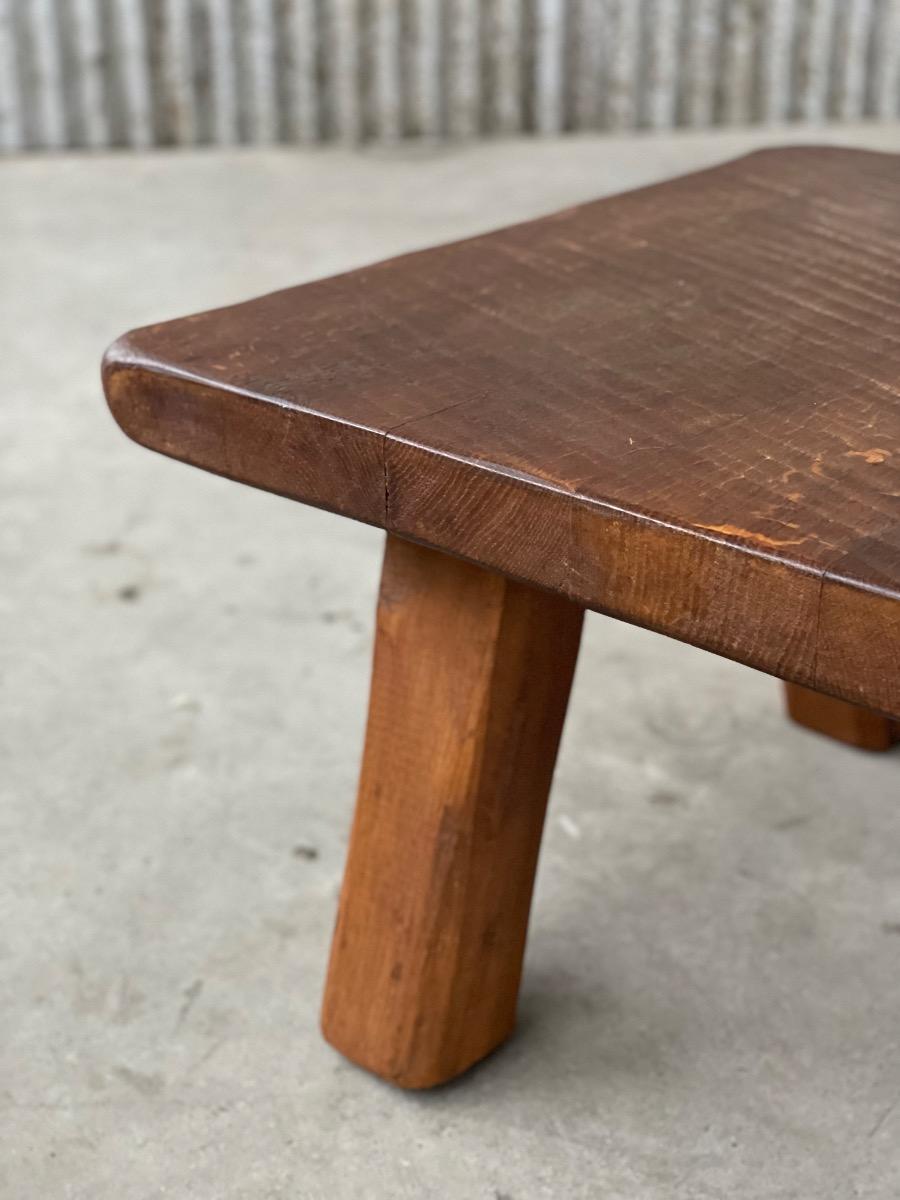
95	73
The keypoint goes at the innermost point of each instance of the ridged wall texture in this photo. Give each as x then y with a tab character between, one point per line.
95	73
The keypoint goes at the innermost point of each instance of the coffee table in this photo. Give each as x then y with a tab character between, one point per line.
678	406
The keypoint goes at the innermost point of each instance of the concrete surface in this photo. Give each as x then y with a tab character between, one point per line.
711	998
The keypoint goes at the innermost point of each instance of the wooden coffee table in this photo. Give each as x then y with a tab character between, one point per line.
680	407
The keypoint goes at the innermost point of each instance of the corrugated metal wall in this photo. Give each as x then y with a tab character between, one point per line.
161	72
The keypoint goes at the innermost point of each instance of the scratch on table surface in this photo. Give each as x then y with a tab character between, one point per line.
873	456
752	535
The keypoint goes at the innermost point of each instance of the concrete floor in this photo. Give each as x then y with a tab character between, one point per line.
711	1003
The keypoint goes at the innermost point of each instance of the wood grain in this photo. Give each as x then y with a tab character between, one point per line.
680	406
469	690
837	719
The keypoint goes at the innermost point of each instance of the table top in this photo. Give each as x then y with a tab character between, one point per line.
680	406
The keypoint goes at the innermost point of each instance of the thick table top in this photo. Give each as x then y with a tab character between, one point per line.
679	406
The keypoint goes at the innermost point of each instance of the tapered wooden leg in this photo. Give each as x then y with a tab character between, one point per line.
470	684
837	719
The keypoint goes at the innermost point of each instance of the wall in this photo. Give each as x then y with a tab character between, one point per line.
136	73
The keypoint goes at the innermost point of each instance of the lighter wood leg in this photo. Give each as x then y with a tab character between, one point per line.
469	690
837	719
